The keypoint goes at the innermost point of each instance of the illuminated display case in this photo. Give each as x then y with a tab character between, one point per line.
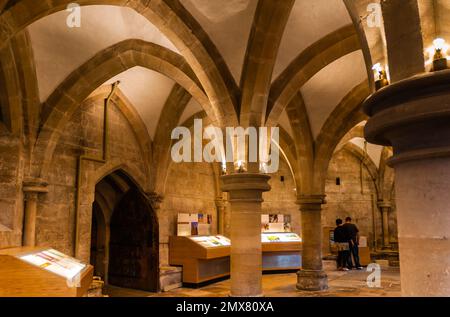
38	272
281	251
203	258
207	258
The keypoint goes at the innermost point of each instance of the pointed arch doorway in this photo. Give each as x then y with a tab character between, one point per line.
125	235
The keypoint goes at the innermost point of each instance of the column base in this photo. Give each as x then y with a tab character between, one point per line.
246	296
310	280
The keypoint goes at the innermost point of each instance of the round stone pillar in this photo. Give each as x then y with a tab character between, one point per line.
385	207
220	205
31	190
312	277
245	197
413	116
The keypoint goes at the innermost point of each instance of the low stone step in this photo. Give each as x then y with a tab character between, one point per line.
170	277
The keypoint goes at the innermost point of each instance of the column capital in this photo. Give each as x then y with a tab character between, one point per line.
311	202
245	186
155	200
412	116
220	202
384	204
31	186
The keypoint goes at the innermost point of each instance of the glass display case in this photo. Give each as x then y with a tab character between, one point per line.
42	272
281	251
204	259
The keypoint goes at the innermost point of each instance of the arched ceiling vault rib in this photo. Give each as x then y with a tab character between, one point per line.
344	117
170	116
10	92
367	161
287	149
308	63
170	17
303	139
209	45
357	24
28	83
115	60
48	137
267	31
355	132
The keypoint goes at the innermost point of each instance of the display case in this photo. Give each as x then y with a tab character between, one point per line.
281	251
204	258
207	258
42	272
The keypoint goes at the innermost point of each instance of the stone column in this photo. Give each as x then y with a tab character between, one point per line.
413	117
31	190
385	208
220	205
312	277
245	197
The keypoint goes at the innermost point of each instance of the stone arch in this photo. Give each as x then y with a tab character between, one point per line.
48	139
87	196
344	117
262	49
363	40
355	132
10	92
309	62
173	20
123	196
367	161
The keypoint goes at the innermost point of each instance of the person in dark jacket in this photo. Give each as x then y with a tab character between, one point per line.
341	241
352	234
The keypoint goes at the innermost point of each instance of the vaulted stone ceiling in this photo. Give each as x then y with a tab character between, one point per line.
59	50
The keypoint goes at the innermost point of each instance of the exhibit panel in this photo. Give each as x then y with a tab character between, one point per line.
207	258
281	251
203	258
40	272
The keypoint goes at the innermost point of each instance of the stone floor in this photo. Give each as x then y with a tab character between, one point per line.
341	284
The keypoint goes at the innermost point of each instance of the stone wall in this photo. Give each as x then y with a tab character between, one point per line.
82	135
282	197
11	198
354	198
190	188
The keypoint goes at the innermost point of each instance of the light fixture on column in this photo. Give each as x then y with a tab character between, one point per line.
380	76
240	166
263	167
439	58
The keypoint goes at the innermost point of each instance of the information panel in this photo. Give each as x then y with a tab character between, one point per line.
280	237
212	241
55	262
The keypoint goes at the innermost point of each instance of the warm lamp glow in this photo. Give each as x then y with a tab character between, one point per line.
439	58
377	67
439	44
380	76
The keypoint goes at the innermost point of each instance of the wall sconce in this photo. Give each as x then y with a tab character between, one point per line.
380	76
263	167
439	58
240	167
224	168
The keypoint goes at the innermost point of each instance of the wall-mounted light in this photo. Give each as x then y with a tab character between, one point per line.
263	167
381	79
240	167
439	57
224	168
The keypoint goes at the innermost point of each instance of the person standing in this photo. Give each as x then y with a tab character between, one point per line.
341	241
352	234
